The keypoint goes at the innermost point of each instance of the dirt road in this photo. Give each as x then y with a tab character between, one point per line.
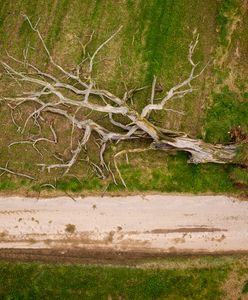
151	223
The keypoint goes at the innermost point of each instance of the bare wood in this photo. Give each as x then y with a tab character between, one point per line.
100	47
16	173
72	94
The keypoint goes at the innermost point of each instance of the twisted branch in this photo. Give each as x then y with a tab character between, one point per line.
67	96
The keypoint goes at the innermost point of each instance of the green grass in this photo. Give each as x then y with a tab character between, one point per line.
10	184
228	111
160	32
54	34
240	176
176	175
39	281
245	288
226	9
172	174
229	105
94	184
178	277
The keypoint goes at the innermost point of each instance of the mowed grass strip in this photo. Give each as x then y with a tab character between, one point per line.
40	281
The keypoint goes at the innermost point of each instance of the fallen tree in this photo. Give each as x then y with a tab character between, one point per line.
72	91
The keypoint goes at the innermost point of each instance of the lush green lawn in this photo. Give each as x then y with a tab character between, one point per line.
39	281
202	277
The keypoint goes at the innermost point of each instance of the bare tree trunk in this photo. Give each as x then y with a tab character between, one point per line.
200	151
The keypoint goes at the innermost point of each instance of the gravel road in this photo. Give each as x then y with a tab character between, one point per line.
152	223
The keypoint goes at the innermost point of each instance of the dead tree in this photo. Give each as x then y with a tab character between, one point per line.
76	91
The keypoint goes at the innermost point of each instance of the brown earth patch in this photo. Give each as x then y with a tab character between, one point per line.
186	230
233	286
70	228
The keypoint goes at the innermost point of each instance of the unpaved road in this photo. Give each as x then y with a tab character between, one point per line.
151	223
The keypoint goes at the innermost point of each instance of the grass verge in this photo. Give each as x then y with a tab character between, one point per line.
40	281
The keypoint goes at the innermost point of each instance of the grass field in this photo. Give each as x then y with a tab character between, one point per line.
171	278
154	41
